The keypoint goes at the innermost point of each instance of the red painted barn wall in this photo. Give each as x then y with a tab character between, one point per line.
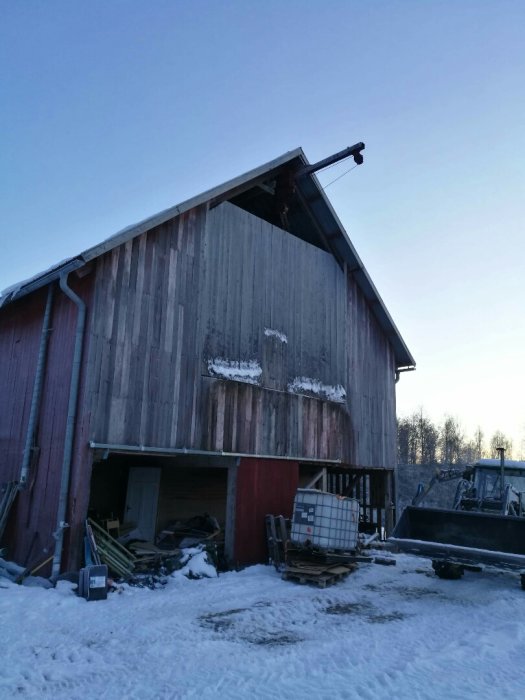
263	486
29	535
20	326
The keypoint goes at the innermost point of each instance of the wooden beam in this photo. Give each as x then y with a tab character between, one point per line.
229	527
320	475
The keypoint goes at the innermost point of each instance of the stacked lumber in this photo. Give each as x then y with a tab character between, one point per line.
149	556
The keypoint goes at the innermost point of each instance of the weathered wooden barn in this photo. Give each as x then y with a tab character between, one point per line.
211	358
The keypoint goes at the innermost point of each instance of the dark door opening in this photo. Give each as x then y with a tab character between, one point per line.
142	497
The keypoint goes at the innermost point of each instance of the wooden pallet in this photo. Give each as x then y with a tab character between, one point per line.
321	576
325	557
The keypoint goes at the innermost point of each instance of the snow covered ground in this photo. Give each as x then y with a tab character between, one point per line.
385	632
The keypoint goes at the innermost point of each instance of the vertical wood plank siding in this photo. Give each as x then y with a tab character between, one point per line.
143	363
371	371
206	286
33	520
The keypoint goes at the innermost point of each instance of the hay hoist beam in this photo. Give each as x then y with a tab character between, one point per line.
354	151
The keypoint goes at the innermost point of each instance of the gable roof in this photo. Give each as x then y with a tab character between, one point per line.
313	200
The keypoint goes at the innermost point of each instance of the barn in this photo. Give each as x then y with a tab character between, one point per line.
210	359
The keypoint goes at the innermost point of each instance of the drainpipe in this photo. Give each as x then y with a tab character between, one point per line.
70	423
37	388
409	368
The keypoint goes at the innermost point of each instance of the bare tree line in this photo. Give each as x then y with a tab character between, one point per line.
421	441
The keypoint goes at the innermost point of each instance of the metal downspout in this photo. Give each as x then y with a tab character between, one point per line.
70	423
37	388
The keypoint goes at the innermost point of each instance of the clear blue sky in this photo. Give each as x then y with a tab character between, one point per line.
111	111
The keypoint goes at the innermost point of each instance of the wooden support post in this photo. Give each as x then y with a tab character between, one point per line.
229	527
319	477
389	506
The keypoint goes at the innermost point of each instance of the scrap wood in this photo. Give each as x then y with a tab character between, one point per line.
110	554
151	550
101	536
119	566
199	528
92	544
148	556
116	556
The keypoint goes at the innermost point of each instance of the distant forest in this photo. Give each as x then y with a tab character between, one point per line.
420	441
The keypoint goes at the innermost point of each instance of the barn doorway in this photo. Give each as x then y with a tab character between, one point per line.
148	495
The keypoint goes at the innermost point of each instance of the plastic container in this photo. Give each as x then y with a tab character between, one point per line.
93	582
325	520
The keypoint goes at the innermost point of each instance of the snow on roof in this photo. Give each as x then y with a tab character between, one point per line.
509	463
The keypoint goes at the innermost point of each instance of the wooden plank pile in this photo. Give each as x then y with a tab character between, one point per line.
123	561
105	549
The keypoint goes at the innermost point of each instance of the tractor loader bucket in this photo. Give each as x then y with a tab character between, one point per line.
463	537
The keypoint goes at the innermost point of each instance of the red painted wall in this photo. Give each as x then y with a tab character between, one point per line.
29	535
264	486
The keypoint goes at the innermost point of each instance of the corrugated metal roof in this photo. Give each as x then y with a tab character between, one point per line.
313	198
